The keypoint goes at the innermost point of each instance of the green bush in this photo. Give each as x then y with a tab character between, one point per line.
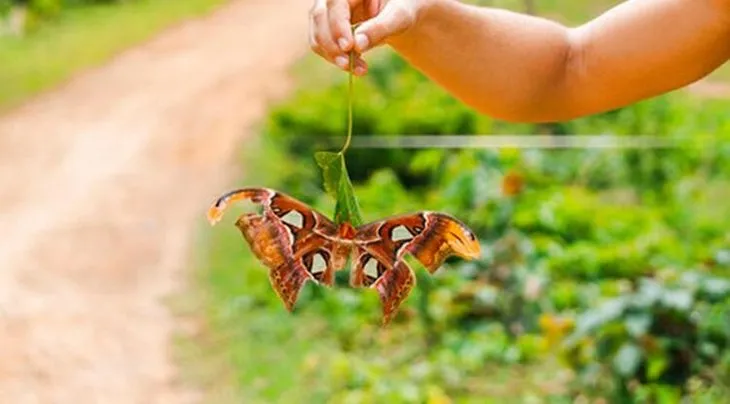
654	339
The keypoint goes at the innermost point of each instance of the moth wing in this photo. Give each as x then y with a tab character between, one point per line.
290	238
431	237
392	282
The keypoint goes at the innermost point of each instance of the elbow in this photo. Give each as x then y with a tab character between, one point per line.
555	97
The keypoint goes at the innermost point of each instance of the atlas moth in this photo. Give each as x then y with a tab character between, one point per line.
299	244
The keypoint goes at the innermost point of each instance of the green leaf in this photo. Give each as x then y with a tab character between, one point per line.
716	287
347	209
426	161
638	324
600	316
656	364
331	170
667	394
627	360
338	185
680	300
649	293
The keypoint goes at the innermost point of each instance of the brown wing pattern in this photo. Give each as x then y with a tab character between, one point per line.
366	269
394	287
313	235
392	282
299	244
385	239
443	236
273	249
382	246
430	237
291	239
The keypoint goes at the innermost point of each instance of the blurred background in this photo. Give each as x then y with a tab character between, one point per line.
605	276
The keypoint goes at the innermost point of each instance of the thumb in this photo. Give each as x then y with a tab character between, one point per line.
392	20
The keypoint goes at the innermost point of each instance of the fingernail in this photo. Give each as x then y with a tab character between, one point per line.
361	41
342	62
343	43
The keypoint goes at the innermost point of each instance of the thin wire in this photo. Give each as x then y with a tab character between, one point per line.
518	141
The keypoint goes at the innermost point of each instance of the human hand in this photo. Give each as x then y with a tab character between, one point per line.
331	34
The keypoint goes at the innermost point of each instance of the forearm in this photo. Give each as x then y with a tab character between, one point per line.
517	67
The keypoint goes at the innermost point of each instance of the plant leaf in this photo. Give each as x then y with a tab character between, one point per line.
656	364
331	171
716	287
627	360
338	185
334	170
680	300
638	324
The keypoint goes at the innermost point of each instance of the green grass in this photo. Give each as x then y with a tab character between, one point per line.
83	37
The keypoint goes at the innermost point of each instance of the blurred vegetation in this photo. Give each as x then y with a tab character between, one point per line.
61	37
605	275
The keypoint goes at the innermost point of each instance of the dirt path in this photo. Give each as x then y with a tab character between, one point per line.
101	184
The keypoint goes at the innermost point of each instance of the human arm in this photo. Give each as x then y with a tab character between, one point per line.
523	68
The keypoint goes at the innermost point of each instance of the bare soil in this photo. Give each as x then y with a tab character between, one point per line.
102	184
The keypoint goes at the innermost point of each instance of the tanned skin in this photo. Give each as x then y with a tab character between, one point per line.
523	68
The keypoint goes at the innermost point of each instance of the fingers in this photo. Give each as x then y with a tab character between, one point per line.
361	67
392	20
331	35
321	39
339	23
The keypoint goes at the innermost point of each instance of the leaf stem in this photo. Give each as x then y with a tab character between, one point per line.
350	97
